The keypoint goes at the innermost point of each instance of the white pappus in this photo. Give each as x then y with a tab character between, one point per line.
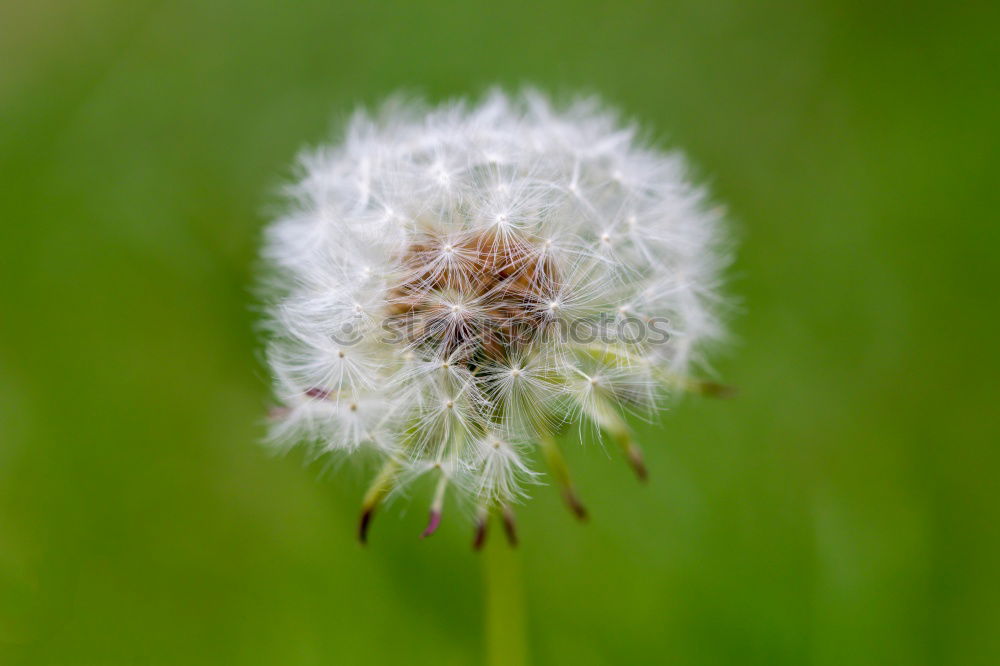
452	286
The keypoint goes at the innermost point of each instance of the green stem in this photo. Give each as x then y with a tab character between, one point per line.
506	642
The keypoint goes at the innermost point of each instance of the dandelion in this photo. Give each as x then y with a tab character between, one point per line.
453	287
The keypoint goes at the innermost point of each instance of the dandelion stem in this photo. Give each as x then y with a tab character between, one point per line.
506	642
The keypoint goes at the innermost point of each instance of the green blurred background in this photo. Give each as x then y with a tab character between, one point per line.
842	510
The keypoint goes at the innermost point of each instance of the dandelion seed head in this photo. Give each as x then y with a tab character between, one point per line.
426	281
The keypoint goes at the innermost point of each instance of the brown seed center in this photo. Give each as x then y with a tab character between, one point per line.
478	294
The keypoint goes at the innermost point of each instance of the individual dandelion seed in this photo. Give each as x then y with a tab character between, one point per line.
453	286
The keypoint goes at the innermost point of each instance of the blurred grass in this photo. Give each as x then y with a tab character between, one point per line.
841	511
